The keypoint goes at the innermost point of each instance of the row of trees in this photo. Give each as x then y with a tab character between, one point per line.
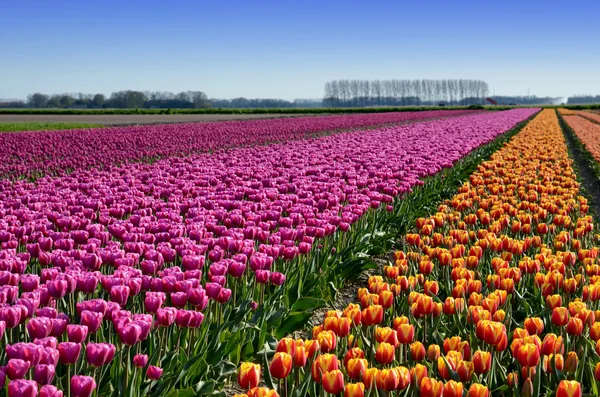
527	100
583	99
121	99
352	93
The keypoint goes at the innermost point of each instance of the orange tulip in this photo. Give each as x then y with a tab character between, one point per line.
482	362
356	367
453	389
327	341
431	388
597	372
433	353
575	326
387	379
417	373
552	344
300	358
355	352
323	363
386	299
372	315
464	369
417	351
384	353
333	381
406	333
262	392
354	390
560	316
527	389
528	355
534	325
248	375
554	361
568	388
478	390
571	362
286	345
370	377
312	348
281	365
387	335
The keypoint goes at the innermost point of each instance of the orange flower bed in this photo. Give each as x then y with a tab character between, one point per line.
587	131
497	293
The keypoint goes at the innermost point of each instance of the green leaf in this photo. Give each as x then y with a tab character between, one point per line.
181	393
293	322
310	304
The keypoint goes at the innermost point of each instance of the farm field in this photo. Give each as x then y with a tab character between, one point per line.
192	259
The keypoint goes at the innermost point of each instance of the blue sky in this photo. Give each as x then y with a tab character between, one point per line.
289	49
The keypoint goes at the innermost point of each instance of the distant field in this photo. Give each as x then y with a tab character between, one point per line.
42	126
281	111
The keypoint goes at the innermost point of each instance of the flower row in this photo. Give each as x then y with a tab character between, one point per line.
34	154
495	294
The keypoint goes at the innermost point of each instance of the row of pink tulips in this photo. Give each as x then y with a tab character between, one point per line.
34	154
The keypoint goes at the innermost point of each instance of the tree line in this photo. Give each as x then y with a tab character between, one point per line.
353	93
583	99
121	99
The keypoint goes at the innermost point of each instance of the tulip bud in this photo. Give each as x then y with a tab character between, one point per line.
478	390
140	360
50	391
281	365
571	362
431	388
153	372
384	353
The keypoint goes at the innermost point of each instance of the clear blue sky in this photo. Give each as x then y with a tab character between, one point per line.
289	49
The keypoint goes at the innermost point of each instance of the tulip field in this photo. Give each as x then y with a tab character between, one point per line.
186	260
35	154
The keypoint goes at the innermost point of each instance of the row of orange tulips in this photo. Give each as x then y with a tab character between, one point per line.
495	294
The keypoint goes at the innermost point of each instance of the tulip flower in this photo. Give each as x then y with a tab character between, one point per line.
22	388
153	372
478	390
417	351
43	374
248	375
568	388
77	333
384	353
356	367
17	368
333	381
453	389
321	364
140	360
281	365
82	386
354	390
431	388
482	362
50	391
388	379
69	352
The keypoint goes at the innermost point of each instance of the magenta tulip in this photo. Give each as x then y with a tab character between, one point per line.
50	391
140	360
77	333
154	372
43	374
22	388
17	368
69	352
82	386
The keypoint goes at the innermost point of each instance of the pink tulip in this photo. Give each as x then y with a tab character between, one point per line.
99	354
43	374
154	372
91	320
140	360
130	334
50	391
22	388
17	368
77	333
39	327
82	386
69	352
